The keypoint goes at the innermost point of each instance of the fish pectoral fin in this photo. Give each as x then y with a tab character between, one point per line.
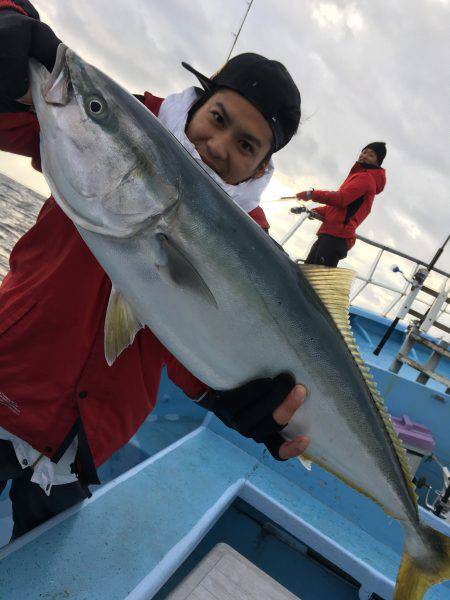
121	326
305	462
176	268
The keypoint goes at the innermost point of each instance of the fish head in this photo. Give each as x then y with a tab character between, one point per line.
105	170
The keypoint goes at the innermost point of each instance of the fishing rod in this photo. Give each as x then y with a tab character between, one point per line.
282	199
236	35
285	199
418	281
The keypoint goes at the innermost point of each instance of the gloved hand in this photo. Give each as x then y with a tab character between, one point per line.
22	37
306	195
250	410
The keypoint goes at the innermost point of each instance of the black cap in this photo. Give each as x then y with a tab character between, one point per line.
380	150
267	85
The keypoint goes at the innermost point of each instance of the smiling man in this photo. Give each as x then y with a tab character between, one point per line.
63	410
347	208
242	143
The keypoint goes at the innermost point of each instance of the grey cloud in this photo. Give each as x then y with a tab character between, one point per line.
384	81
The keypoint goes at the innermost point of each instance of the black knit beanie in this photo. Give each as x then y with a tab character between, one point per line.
380	150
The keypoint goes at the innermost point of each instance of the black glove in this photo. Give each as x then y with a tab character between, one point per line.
249	408
22	37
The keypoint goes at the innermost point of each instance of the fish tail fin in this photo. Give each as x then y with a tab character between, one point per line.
425	562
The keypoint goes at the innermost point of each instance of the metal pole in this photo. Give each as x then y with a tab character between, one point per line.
419	284
293	229
369	277
402	293
413	259
433	261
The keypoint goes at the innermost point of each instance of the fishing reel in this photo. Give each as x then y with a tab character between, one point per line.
441	505
298	210
416	280
396	269
295	210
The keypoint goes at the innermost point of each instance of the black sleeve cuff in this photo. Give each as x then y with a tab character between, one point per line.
273	443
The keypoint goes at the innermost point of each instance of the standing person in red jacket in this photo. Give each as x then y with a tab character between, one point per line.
347	208
63	411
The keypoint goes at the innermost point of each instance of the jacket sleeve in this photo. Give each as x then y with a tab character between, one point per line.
258	215
19	134
191	386
320	210
152	102
19	131
359	185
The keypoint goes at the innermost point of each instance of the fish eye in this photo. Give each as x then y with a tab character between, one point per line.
96	106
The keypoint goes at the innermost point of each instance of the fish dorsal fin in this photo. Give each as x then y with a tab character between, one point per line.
333	288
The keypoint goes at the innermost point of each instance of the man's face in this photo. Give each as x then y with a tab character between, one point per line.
368	156
231	136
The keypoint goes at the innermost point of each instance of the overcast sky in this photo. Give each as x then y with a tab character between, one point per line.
367	71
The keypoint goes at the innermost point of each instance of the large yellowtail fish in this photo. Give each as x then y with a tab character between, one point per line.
217	291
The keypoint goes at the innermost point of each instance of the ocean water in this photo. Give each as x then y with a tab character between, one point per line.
19	207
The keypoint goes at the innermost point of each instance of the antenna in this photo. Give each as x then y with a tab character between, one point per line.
236	35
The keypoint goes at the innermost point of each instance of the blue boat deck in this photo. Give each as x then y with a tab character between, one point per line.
121	544
368	328
171	484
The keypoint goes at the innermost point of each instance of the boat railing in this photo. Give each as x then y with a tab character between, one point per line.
400	292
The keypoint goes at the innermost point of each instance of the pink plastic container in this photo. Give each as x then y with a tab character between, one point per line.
416	439
414	435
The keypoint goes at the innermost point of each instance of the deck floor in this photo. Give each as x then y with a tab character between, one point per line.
106	551
224	574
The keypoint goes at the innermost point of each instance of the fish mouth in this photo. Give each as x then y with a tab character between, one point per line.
57	89
80	220
107	230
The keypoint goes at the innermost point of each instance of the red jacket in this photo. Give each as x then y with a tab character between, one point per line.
54	380
348	207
